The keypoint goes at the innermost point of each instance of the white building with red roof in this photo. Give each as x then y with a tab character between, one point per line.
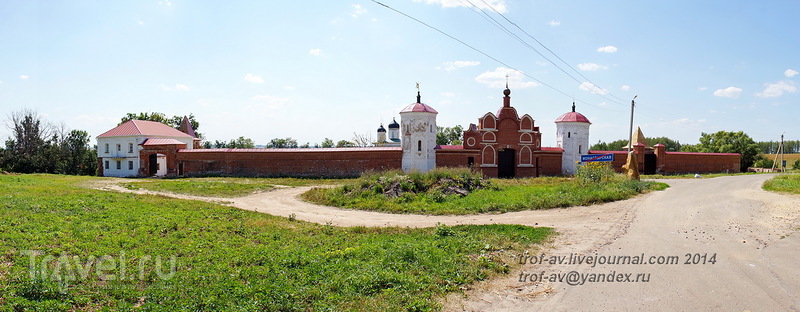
418	124
119	150
572	135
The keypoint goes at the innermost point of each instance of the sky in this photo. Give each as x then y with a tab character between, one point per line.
312	70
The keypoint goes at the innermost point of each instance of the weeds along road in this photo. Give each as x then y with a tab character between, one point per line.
751	233
724	245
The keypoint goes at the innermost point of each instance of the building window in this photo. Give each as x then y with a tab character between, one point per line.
419	146
580	149
568	133
119	147
119	165
106	149
130	165
106	163
130	147
470	161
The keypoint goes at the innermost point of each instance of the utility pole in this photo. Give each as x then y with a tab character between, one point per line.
630	132
779	157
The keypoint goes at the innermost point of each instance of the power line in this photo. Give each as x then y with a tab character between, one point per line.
548	50
484	53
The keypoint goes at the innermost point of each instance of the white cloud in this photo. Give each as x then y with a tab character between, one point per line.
591	66
777	89
499	5
729	92
315	52
607	49
358	10
554	23
625	88
497	79
289	88
23	77
702	88
165	3
448	66
267	103
588	86
252	78
790	73
177	87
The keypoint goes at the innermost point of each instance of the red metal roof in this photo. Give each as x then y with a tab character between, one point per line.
143	127
418	107
573	117
450	147
150	142
552	149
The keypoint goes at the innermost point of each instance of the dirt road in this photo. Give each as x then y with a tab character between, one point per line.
750	233
753	234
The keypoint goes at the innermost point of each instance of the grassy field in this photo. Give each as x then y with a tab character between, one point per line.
787	183
221	187
64	247
503	195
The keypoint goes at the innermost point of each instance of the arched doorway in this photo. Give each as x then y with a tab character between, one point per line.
506	163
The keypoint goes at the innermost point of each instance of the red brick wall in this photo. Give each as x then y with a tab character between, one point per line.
327	163
549	163
678	162
699	163
457	158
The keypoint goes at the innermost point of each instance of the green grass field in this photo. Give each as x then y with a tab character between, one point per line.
99	250
222	187
786	183
504	195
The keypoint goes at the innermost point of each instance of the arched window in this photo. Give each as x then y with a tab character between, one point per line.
580	149
419	145
568	133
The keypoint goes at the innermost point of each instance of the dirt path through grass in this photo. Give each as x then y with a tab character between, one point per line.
750	230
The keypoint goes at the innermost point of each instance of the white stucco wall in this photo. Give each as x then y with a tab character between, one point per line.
573	137
418	128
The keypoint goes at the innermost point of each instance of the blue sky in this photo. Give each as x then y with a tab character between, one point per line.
316	69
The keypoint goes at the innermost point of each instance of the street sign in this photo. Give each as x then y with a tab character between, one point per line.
597	157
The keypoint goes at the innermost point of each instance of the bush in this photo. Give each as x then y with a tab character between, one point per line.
594	172
796	164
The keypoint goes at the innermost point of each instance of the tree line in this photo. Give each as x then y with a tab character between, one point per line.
36	146
719	142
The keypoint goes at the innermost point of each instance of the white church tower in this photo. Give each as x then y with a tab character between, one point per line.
418	131
572	135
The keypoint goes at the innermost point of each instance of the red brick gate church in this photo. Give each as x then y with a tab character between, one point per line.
500	145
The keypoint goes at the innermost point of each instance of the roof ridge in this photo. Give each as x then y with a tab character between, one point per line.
136	126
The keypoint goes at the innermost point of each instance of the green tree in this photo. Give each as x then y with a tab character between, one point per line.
25	149
796	164
613	146
327	143
344	143
241	142
449	136
282	143
689	148
174	121
731	142
78	157
670	145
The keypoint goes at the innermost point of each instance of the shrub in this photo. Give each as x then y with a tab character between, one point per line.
594	172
